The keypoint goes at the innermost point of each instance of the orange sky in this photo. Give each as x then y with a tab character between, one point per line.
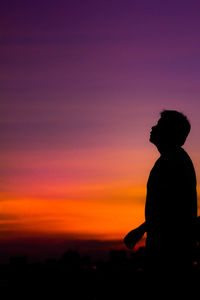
105	202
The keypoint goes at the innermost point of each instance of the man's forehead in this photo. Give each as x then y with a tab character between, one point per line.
160	121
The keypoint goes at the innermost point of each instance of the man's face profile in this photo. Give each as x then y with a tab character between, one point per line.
158	132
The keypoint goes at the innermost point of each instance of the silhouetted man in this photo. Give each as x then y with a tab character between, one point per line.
171	201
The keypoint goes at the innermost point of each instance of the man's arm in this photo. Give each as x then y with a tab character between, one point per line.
135	235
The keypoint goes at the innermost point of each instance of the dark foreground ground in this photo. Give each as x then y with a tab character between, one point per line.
75	277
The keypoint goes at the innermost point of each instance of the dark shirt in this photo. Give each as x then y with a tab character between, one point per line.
171	204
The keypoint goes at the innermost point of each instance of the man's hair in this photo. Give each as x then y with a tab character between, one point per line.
177	125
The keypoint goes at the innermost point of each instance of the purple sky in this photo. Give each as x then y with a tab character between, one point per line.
88	72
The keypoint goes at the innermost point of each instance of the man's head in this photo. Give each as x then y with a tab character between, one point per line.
171	130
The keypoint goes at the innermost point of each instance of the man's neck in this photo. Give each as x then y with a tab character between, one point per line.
165	149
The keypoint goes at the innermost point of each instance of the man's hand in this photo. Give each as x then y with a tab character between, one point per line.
134	236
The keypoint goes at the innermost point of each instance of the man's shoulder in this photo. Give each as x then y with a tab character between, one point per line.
177	156
173	162
183	158
177	162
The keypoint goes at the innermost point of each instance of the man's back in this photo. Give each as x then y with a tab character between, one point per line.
171	207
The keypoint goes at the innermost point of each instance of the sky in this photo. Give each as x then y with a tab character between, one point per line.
81	85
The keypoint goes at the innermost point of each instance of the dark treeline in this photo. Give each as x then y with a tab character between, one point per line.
83	276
